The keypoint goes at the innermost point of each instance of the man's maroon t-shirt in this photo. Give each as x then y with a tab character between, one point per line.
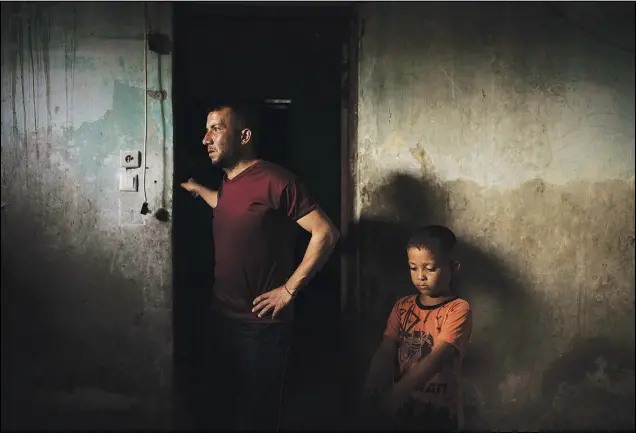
254	238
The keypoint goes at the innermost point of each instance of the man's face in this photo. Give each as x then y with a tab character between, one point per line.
221	140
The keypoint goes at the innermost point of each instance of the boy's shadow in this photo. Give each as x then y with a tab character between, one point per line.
505	332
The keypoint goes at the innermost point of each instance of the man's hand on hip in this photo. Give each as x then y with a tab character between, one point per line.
275	300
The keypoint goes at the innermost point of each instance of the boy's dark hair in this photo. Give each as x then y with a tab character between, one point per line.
441	235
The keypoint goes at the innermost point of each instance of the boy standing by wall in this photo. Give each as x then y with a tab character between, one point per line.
417	368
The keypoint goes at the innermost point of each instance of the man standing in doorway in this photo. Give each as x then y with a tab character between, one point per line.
256	212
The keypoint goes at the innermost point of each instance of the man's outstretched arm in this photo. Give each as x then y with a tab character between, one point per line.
210	196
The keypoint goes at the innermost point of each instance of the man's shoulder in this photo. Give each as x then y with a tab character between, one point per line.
276	172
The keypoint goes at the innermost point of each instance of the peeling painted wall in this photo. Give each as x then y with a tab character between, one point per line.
515	128
86	325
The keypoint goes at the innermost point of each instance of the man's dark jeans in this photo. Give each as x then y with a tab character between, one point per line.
246	366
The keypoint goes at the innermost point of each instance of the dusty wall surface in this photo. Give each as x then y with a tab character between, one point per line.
515	128
86	325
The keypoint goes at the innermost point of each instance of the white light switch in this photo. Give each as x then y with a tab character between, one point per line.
127	182
129	158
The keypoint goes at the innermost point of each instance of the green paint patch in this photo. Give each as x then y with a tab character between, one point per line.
85	64
120	128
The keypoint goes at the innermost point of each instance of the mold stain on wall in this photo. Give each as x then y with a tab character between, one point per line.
86	281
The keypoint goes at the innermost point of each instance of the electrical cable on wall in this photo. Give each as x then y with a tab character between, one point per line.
144	207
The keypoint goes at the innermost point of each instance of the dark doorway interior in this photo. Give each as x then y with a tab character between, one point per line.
286	52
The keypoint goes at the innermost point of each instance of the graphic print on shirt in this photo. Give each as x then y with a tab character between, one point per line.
414	344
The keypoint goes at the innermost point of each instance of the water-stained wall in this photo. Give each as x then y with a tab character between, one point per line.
514	126
86	325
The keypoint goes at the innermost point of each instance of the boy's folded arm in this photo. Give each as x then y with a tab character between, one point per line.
381	368
452	342
427	367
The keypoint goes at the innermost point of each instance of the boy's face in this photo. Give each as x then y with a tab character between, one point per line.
430	271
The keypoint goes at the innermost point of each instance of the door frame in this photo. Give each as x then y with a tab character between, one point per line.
349	258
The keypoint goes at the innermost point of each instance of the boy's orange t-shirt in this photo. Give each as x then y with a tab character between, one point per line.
418	329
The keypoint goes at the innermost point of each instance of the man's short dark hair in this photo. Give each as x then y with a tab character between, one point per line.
244	114
433	235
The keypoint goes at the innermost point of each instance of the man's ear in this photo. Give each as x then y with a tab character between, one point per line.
246	136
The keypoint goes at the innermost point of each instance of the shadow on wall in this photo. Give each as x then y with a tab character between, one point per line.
405	202
588	386
83	346
507	335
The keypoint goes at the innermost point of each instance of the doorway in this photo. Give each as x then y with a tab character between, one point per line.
287	58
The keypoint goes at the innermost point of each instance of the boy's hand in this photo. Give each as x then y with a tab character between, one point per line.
376	385
396	400
370	414
371	393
